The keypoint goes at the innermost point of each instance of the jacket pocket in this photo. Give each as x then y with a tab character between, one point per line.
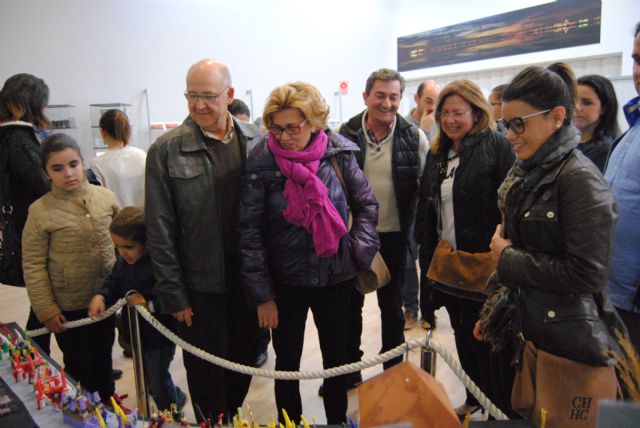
192	186
185	171
540	228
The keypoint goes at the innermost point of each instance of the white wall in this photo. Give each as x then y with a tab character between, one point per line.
101	51
97	51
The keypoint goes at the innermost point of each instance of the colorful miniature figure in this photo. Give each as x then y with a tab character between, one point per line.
48	386
26	359
81	411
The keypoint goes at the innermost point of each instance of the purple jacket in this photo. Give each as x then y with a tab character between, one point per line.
276	253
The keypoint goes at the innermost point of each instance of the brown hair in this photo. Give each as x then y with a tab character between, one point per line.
302	96
116	124
129	224
481	109
55	143
385	75
24	97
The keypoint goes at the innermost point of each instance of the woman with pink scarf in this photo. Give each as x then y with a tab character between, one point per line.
297	250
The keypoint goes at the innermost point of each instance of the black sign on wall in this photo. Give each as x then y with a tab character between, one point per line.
561	24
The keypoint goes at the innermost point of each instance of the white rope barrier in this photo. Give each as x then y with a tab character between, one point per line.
466	380
335	371
85	321
298	375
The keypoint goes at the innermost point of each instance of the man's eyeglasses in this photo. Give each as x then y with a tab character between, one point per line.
517	123
290	129
207	97
455	114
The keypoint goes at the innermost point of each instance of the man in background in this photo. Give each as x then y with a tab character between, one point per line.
621	172
423	116
392	155
495	99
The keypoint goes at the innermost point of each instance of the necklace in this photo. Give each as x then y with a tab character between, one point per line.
445	166
456	156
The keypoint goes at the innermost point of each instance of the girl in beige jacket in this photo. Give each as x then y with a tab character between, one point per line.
67	254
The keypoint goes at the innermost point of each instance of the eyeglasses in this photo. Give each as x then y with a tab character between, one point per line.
455	114
290	129
517	123
208	98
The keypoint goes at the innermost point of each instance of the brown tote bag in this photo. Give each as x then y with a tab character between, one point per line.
567	390
460	273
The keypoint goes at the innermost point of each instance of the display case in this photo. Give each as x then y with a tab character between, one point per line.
96	113
62	117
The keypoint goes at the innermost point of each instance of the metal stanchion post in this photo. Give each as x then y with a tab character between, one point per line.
428	357
142	396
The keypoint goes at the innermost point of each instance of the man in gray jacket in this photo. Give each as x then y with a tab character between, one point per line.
193	182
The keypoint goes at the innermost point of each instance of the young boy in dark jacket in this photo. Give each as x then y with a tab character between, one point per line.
132	276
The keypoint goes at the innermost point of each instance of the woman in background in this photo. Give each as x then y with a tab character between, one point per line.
121	168
23	102
596	117
467	161
297	252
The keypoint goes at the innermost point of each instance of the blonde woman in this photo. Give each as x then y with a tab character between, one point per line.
297	253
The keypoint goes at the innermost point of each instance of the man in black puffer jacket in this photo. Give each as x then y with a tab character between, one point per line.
392	153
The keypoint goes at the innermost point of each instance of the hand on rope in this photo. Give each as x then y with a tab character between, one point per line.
85	321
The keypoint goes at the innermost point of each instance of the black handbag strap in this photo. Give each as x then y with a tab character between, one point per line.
336	167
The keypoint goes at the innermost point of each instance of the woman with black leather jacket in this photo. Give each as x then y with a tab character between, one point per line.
467	161
558	210
297	252
23	101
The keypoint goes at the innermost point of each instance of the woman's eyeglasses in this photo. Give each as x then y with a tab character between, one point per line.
453	114
517	123
290	129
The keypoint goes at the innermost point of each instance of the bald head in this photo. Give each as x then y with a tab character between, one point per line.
211	66
210	92
426	98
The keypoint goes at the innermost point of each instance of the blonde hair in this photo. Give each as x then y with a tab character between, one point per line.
299	95
472	94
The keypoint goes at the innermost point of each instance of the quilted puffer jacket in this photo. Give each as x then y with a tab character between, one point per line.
67	251
275	252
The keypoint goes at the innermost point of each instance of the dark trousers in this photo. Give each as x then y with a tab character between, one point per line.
43	341
393	248
157	361
411	287
264	339
225	326
632	321
502	376
428	301
329	306
87	353
475	356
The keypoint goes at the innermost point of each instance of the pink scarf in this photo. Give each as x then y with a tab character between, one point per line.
308	204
